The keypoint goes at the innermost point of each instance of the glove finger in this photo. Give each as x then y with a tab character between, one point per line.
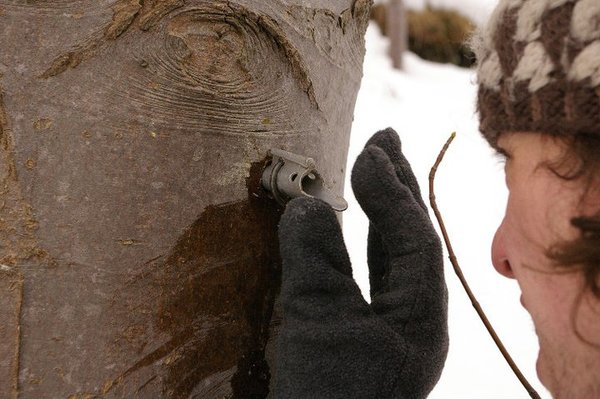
404	226
411	247
413	297
317	275
389	141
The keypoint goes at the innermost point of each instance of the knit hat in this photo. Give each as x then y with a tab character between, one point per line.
539	68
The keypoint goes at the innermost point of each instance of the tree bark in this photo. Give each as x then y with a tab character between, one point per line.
139	255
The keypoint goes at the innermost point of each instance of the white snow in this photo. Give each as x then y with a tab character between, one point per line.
425	103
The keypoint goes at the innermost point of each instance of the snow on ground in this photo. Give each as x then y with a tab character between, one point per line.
425	103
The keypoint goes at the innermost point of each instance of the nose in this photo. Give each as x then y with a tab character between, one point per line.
499	254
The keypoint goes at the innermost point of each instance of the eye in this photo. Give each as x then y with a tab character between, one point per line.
502	156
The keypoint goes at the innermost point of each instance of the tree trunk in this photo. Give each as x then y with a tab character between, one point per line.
139	256
397	27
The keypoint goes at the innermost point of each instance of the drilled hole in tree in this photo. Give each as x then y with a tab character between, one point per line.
311	185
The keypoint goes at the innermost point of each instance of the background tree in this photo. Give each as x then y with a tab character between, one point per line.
397	31
138	253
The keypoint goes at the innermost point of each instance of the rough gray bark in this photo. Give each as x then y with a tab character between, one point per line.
138	254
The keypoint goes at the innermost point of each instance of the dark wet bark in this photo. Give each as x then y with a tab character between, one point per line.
138	254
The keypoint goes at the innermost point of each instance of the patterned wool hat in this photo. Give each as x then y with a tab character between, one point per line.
539	68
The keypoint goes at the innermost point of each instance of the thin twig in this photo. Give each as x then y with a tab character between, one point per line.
532	393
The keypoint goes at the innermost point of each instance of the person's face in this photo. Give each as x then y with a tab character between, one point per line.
540	206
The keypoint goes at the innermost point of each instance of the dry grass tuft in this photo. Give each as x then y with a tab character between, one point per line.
435	34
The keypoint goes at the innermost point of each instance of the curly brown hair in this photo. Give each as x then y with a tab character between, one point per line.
582	159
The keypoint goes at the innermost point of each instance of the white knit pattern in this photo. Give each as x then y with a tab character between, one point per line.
490	72
529	21
501	8
587	65
585	24
557	3
535	65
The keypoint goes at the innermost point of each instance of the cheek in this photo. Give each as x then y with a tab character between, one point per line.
551	300
536	218
534	222
518	239
518	231
548	204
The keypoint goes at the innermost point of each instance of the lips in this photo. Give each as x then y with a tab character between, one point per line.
523	302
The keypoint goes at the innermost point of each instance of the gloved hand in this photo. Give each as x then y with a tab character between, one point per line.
333	344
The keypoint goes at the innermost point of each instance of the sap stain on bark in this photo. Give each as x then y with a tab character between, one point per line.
216	291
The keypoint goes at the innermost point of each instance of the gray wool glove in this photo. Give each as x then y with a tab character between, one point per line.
333	344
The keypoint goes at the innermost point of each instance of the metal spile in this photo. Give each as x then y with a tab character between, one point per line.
290	176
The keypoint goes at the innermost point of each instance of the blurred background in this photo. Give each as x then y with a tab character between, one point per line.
418	79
